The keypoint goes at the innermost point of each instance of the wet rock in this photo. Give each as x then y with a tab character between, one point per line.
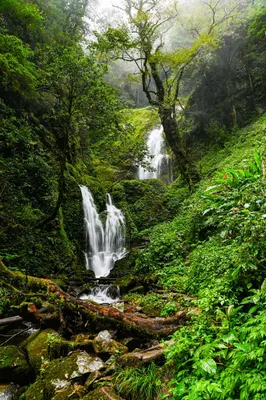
61	374
8	392
103	343
139	358
103	393
14	366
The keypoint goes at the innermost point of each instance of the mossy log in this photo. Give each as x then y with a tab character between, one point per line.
74	314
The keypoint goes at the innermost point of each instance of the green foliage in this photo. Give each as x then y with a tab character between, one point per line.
18	73
169	309
141	383
54	104
144	203
224	358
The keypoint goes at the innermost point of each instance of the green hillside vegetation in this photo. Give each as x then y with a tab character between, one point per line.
214	252
196	247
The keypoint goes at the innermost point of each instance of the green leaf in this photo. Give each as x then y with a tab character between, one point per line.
208	365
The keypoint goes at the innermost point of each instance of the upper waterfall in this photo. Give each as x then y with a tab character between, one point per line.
105	243
160	161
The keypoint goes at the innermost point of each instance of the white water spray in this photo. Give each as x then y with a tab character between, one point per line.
105	244
160	162
102	294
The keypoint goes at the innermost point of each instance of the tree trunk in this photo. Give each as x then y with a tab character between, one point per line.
187	168
73	314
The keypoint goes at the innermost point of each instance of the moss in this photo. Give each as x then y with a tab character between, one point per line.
38	347
58	373
49	345
35	391
14	366
144	203
126	283
124	266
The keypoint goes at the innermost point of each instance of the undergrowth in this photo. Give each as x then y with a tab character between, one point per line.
215	251
139	383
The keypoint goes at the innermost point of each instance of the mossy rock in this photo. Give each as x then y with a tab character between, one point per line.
124	266
103	393
38	347
60	372
49	345
103	343
126	283
35	391
14	366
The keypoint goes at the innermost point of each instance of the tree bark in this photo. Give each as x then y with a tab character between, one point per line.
187	168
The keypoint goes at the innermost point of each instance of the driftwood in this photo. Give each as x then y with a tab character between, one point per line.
76	314
10	320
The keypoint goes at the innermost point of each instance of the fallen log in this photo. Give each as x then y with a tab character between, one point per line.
10	320
89	315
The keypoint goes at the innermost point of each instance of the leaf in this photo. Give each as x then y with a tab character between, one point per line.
208	365
206	211
243	347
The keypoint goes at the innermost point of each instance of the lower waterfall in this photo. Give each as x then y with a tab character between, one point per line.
106	243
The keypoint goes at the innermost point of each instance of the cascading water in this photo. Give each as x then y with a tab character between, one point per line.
160	161
103	294
106	244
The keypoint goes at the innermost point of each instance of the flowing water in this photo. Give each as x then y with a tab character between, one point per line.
160	160
106	243
103	294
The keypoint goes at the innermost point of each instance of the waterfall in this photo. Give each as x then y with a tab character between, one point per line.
102	294
105	243
160	162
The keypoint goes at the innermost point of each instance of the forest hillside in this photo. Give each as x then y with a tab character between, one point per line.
133	208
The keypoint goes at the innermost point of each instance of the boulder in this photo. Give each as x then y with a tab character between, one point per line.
60	375
103	343
35	391
14	366
37	347
48	345
103	393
